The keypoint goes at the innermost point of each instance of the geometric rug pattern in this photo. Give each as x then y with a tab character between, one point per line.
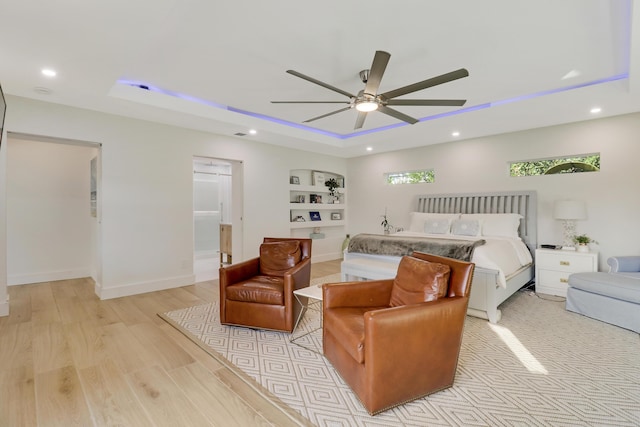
540	366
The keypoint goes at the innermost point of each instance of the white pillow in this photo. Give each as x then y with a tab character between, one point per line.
501	225
437	225
418	219
465	227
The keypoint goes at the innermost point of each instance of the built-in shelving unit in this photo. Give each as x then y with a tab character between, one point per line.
329	231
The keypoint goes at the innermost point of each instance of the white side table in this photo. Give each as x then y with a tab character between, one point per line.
553	268
313	296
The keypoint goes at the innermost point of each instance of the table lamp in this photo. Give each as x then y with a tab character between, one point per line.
568	211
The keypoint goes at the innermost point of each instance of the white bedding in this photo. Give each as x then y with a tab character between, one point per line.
503	254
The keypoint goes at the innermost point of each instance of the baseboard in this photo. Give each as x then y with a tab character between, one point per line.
48	276
143	287
4	307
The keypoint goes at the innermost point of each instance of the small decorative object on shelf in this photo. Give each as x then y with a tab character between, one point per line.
315	198
316	233
583	242
317	178
315	216
332	184
299	218
294	180
336	216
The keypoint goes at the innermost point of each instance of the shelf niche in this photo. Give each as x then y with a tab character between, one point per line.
301	187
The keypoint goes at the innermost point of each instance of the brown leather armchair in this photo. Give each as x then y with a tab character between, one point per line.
258	293
397	340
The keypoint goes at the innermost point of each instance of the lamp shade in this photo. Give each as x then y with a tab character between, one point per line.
569	209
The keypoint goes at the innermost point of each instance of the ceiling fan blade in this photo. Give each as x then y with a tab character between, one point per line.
310	102
379	64
428	102
328	114
434	81
360	120
397	114
318	82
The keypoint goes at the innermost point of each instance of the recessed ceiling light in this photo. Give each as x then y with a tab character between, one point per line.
49	72
253	131
596	110
369	148
455	133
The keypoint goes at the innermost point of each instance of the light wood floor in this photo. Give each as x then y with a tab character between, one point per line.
69	359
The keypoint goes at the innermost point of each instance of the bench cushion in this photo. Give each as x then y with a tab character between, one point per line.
611	285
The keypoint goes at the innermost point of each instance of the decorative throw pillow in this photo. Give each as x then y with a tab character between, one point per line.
437	226
419	281
278	257
418	219
465	227
501	225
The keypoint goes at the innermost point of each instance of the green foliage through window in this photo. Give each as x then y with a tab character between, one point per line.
413	177
573	164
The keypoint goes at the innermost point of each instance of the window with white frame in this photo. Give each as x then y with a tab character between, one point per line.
410	177
558	165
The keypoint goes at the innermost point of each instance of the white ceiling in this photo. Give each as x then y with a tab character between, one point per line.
531	63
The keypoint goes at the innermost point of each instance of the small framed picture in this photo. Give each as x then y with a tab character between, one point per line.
336	216
315	216
315	198
317	178
294	180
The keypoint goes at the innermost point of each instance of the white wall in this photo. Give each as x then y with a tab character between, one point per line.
146	194
49	225
4	297
481	164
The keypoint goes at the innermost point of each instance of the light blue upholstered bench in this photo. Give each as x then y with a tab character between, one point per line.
612	297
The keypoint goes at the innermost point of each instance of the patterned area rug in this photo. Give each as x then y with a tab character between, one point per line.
540	366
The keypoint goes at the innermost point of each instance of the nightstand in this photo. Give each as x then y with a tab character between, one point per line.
553	268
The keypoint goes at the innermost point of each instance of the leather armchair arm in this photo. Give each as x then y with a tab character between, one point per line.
372	293
299	274
436	333
235	273
619	264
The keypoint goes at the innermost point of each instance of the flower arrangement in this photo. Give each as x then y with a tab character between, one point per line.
385	222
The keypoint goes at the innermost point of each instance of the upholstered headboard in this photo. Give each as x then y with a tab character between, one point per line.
520	202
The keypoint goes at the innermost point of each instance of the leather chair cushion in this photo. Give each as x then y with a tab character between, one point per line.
258	289
419	281
278	257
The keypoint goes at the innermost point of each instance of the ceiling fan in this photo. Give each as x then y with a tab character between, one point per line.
368	99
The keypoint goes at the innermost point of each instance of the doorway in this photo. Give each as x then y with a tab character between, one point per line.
53	224
212	210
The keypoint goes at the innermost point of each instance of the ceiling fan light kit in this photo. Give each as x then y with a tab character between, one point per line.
369	100
366	106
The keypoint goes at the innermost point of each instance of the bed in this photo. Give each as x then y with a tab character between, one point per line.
502	225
